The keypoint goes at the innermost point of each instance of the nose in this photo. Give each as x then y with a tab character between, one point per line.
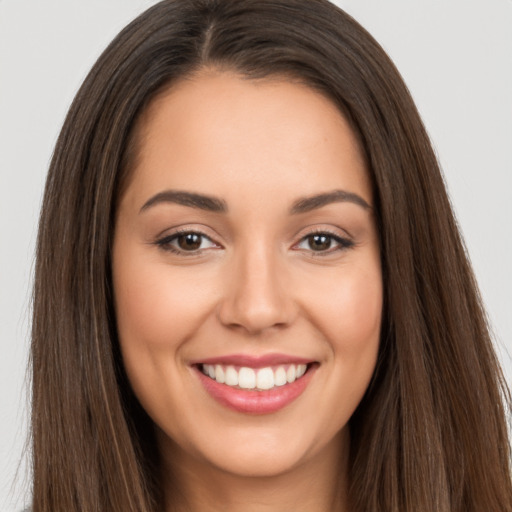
257	296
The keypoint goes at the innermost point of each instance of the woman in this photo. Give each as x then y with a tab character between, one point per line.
250	290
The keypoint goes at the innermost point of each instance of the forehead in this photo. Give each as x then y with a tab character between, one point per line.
218	131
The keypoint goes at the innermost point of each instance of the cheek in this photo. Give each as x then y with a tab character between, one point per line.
349	312
348	316
350	320
157	306
360	302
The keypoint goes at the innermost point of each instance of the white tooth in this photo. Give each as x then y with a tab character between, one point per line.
206	369
231	376
291	373
211	370
246	378
265	378
280	377
219	374
301	370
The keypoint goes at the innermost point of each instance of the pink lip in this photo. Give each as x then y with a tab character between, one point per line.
256	402
253	361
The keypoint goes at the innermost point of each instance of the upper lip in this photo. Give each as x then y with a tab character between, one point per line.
252	361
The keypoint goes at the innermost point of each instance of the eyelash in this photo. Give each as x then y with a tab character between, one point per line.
343	243
165	243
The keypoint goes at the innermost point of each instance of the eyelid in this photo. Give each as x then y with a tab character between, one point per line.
164	241
343	242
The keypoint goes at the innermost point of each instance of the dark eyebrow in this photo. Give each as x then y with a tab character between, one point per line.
306	204
193	200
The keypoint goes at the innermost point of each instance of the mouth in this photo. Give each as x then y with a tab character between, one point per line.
255	385
254	379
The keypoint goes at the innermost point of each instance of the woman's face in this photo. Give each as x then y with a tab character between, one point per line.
245	248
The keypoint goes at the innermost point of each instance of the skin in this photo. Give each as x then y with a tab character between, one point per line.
255	287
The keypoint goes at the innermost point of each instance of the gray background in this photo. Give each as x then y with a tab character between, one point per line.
455	55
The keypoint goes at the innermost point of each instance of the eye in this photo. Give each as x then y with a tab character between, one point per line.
186	241
323	242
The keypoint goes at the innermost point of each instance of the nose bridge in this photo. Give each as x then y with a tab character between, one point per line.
256	297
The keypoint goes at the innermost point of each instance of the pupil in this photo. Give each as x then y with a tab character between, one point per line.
189	242
319	242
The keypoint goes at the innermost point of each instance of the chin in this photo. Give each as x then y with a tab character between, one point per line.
259	463
260	453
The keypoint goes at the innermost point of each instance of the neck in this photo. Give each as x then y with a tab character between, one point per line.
318	483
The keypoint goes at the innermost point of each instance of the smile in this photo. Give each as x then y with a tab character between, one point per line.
257	385
254	379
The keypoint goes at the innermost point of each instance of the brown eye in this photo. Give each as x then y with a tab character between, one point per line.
324	243
189	241
186	242
319	242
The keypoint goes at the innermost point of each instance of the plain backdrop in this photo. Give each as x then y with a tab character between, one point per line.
455	56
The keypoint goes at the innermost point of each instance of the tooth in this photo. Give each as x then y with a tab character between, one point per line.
301	370
291	373
265	378
280	377
207	369
219	374
246	378
231	376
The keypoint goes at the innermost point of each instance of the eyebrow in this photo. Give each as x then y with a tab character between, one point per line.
307	204
213	204
193	200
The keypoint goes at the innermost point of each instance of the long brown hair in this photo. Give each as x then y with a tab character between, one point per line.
430	434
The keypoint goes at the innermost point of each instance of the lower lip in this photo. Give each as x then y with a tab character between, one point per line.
256	402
